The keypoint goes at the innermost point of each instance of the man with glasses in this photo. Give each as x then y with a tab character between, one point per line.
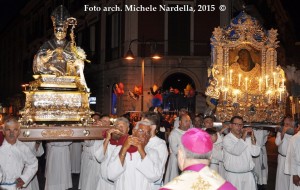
239	147
135	165
157	144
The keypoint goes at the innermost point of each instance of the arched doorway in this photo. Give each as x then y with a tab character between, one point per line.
176	95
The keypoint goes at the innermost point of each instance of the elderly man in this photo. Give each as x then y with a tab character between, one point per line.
238	147
114	138
193	161
17	162
156	143
135	165
174	142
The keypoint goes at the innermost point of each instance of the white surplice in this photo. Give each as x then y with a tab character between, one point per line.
261	161
238	161
174	142
90	167
104	182
58	166
34	184
75	152
217	155
282	179
136	173
292	162
160	146
16	161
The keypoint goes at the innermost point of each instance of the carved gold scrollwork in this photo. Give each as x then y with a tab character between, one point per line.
57	133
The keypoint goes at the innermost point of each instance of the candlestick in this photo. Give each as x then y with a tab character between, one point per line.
246	81
260	80
240	75
230	76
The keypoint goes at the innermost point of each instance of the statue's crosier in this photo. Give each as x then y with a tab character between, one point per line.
58	56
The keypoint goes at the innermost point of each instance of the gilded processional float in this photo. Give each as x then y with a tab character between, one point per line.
244	78
57	101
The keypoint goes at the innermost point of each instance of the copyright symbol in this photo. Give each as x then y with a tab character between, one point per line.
222	7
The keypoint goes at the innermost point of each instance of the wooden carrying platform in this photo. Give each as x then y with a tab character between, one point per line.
67	132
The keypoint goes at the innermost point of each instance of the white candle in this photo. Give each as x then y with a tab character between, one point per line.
282	82
274	77
260	84
225	95
246	81
240	75
280	96
267	81
269	98
222	82
230	76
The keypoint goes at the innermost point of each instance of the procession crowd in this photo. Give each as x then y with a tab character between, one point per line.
154	151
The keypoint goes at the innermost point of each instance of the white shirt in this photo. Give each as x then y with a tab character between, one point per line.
17	161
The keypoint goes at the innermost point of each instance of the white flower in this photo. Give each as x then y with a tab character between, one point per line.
80	52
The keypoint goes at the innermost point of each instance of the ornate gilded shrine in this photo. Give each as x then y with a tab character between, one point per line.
57	101
244	78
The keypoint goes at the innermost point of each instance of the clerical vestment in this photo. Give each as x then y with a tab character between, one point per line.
34	184
136	173
16	161
261	161
292	162
282	144
174	142
104	182
160	145
90	167
58	166
238	161
198	176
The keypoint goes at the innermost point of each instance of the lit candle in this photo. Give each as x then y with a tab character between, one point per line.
282	82
260	84
269	98
274	77
222	82
230	76
267	81
236	96
246	81
240	75
225	95
280	96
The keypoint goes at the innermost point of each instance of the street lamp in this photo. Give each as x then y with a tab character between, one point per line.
130	56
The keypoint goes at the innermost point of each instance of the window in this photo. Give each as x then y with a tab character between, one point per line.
113	33
179	35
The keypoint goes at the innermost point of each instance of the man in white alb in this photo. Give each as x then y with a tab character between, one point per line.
17	162
239	146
